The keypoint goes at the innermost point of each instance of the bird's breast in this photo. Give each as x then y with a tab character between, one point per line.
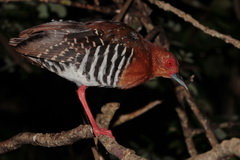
138	71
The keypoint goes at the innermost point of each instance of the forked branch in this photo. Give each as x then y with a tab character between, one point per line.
73	135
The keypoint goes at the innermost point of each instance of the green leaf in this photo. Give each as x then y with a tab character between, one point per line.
221	134
58	9
42	11
66	2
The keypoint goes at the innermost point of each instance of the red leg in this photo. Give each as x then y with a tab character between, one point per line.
96	130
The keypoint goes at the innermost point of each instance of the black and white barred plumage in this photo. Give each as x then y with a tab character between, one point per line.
96	67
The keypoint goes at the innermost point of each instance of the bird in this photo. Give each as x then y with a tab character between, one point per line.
100	53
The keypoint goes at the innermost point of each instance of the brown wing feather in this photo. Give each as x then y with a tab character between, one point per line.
50	41
118	32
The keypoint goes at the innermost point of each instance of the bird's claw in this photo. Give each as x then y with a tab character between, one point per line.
103	131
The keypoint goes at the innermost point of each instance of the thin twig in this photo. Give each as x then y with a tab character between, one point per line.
204	121
122	12
70	3
194	22
184	95
127	117
187	131
224	125
151	34
161	38
96	154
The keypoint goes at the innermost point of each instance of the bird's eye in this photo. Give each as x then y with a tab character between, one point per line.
169	63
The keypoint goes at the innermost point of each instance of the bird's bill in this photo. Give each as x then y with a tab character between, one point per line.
180	80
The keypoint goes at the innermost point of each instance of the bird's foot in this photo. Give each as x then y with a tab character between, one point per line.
103	131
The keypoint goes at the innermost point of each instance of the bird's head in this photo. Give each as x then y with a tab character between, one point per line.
165	64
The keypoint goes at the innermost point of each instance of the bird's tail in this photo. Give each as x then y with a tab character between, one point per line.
15	41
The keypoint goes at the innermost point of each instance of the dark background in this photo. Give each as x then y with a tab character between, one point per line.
40	101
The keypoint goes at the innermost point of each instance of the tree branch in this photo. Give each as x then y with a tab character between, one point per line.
187	131
221	151
127	117
119	151
226	149
73	135
184	95
46	140
123	11
195	23
70	3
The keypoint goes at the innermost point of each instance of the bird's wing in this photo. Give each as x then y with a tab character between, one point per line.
56	41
